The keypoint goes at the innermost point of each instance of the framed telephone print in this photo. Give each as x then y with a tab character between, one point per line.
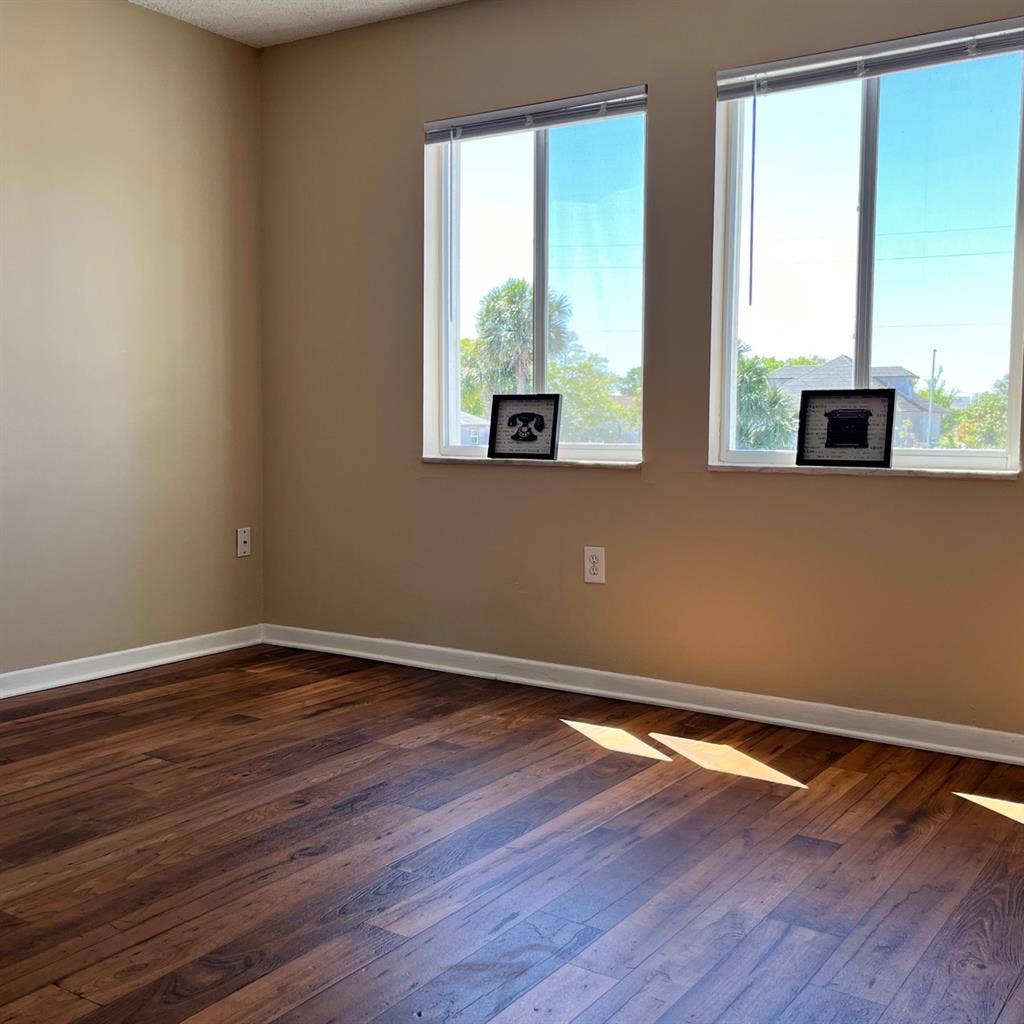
846	428
524	427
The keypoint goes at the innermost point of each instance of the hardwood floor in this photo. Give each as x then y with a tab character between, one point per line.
279	836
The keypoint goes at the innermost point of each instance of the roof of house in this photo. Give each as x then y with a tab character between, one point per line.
892	371
467	419
837	374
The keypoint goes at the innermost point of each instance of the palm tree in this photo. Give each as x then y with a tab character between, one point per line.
504	324
765	416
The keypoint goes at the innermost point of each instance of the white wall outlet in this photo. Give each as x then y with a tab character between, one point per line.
243	541
593	565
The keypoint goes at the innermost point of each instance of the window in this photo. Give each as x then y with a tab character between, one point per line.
869	209
534	264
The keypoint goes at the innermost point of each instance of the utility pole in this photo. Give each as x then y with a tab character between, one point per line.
931	397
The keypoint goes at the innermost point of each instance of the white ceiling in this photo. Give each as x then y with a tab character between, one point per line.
266	22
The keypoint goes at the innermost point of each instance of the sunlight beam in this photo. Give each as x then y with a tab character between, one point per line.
1007	808
718	757
617	740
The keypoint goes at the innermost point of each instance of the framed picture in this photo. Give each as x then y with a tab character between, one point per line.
524	427
846	428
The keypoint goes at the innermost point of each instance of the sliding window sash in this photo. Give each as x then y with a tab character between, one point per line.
540	261
866	233
451	430
445	138
451	376
734	137
952	460
1015	393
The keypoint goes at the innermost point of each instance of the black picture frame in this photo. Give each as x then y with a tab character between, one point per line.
548	410
868	400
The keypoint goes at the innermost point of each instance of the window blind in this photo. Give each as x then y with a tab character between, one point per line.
539	115
873	60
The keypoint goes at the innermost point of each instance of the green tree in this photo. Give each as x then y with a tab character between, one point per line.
633	382
504	327
942	395
597	405
475	399
908	427
804	361
982	423
765	415
594	407
632	389
771	363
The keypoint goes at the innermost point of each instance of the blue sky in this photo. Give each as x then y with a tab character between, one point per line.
595	232
947	187
947	184
947	181
595	227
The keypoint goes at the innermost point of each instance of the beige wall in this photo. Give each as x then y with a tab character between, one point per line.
129	330
897	594
130	404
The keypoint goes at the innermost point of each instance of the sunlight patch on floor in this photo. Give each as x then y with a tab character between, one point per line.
617	739
718	757
1007	808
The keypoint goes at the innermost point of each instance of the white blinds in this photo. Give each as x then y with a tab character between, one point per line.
876	59
539	115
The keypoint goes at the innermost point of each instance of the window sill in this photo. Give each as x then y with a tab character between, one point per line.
944	474
473	460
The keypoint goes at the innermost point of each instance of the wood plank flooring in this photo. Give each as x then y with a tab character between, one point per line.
281	837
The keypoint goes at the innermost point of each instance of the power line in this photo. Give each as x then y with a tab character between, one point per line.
944	255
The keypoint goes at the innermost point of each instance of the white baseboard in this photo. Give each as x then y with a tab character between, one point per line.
947	737
43	677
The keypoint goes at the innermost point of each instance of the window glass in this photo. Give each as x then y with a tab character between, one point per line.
794	267
595	278
494	278
948	150
940	181
483	258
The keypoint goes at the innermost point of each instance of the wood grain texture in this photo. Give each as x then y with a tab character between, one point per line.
279	837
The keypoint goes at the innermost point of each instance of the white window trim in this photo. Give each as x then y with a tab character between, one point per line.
722	454
566	453
441	303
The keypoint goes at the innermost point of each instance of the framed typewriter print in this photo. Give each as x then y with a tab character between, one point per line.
846	428
524	427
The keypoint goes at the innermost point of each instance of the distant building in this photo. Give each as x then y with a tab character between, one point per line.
911	426
473	430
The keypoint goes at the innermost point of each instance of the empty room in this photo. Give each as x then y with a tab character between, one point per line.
510	512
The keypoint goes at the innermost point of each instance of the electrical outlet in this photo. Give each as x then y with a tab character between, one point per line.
593	565
243	541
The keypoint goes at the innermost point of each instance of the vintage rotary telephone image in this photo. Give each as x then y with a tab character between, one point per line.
524	426
525	423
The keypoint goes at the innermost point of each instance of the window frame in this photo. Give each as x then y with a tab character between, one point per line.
441	376
728	226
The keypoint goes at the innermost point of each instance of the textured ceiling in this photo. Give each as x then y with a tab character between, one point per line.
266	22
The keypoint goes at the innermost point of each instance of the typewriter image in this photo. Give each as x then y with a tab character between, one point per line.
847	428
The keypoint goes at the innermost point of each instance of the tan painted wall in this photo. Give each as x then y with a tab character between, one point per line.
129	330
130	425
901	595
